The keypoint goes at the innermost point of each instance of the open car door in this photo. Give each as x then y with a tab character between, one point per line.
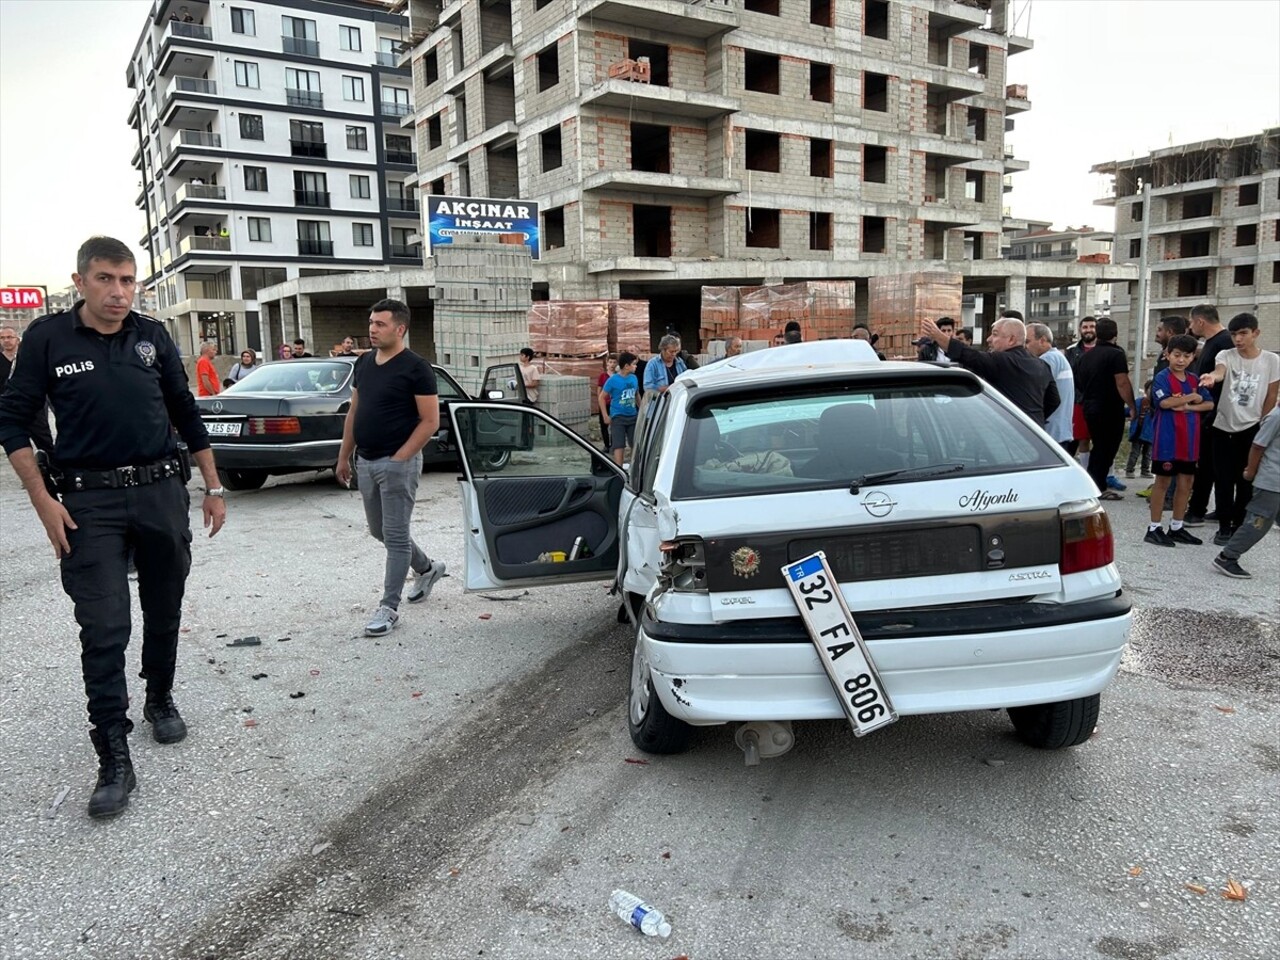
503	382
552	515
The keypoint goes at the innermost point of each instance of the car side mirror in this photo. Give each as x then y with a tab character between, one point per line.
496	395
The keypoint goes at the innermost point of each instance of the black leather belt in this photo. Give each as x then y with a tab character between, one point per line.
117	478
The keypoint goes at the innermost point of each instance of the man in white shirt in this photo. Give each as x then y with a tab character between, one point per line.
1249	378
1040	344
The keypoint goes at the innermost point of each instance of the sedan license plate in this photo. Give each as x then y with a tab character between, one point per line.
222	428
840	646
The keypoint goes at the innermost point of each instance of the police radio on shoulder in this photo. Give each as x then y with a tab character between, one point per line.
216	492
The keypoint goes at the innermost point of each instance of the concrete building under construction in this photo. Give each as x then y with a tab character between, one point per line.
1202	220
673	144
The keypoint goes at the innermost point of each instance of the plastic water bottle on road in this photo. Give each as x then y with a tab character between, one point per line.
645	918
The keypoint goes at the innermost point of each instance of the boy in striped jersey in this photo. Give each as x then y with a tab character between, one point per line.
1177	400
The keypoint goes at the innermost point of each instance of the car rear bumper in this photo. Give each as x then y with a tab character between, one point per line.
307	455
726	681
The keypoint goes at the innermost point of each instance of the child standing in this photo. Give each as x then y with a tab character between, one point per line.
618	397
1176	399
1263	471
1141	430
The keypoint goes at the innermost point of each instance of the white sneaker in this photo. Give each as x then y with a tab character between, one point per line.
423	582
381	623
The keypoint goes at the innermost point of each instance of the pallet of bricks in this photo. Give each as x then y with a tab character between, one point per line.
824	309
572	337
897	304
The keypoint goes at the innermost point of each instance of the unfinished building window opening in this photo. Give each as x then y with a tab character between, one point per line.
437	188
935	178
659	57
1247	235
819	231
504	172
1243	275
431	67
764	227
762	150
762	71
552	157
978	59
875	19
937	110
495	25
1275	271
875	91
875	164
873	234
822	82
1196	205
973	246
548	67
1194	244
651	227
553	228
769	7
539	4
435	133
455	44
939	53
820	158
821	13
975	124
1248	195
650	148
975	185
1135	249
1193	283
460	117
1135	212
935	241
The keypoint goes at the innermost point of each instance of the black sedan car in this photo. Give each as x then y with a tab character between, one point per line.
287	417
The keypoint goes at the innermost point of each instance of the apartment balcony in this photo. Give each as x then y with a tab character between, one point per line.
951	83
402	205
944	211
496	137
197	191
311	198
300	46
1194	186
401	251
193	138
1208	262
1019	44
395	109
178	30
1011	163
688	18
190	85
670	101
494	63
403	158
1015	99
303	98
308	148
384	59
315	248
1179	226
189	93
662	183
950	151
195	244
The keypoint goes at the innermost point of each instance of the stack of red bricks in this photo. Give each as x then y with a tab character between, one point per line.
571	337
824	309
898	303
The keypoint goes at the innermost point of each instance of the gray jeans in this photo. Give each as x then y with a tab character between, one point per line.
1263	510
388	489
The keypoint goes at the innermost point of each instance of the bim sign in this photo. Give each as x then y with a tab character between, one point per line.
22	297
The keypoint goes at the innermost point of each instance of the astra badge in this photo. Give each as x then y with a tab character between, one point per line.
746	561
147	351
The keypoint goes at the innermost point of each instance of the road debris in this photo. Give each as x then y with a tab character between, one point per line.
297	696
1196	888
1135	871
518	596
643	763
1234	890
57	802
486	616
246	642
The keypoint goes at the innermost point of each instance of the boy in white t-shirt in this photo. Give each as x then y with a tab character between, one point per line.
1250	379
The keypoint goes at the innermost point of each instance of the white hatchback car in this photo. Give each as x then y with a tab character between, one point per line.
971	550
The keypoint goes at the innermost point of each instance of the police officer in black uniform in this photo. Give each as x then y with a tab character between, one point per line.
117	387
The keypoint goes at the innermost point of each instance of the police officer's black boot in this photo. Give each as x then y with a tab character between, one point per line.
167	725
115	771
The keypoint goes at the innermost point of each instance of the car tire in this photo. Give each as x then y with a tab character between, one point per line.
242	479
496	461
652	729
1052	726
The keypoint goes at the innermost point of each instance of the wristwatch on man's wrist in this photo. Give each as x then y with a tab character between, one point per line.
216	492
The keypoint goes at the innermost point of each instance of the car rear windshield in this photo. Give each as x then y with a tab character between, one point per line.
835	434
295	376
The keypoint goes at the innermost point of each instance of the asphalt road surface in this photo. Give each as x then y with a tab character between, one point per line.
466	786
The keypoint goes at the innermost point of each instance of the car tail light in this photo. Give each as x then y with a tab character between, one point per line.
1086	539
684	565
274	425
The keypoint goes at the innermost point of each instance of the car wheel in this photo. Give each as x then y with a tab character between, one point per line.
496	461
653	730
242	479
1051	726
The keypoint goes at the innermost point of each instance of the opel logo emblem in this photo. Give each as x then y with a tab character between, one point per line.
217	406
878	503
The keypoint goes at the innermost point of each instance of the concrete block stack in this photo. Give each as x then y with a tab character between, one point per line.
569	399
481	306
897	303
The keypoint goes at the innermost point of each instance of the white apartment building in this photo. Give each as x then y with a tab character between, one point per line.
269	148
1059	307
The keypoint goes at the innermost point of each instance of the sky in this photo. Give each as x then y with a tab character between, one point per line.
1107	79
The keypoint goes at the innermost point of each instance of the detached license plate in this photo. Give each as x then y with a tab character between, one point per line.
221	428
840	646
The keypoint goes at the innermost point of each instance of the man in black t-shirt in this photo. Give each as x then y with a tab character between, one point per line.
394	412
1206	325
1103	389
